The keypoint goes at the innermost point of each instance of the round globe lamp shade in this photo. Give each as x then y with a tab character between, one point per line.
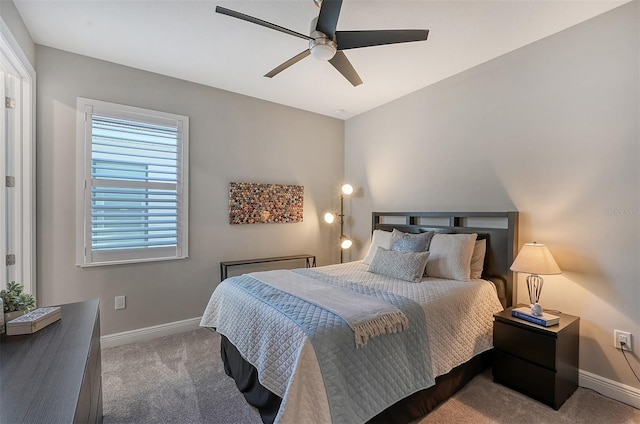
329	218
347	189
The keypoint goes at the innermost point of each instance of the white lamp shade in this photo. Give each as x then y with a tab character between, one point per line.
345	243
347	189
329	217
535	258
323	52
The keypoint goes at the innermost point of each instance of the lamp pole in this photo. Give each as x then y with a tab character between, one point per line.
341	224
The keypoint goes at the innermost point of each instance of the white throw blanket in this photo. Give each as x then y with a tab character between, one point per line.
366	315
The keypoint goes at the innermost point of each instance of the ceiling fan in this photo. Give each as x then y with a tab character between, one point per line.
325	43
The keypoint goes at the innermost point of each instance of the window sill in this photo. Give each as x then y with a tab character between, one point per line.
130	261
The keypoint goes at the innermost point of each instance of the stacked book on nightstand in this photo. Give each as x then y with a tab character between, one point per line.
546	320
33	321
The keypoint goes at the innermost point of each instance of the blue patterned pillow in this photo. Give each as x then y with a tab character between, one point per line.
406	242
408	266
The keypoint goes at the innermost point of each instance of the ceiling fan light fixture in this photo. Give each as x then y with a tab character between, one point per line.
324	38
322	49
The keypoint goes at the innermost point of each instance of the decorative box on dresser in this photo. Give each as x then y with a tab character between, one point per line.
55	374
541	362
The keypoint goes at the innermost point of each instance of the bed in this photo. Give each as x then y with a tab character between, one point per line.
294	357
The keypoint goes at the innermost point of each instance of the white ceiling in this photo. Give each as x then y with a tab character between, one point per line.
188	40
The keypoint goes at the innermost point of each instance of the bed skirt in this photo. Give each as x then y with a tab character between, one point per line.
406	410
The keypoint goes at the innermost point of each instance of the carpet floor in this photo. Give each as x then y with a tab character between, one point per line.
181	379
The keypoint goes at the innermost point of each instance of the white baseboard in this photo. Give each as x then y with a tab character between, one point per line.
148	333
609	388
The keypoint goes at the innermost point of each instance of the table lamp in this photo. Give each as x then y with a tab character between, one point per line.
535	259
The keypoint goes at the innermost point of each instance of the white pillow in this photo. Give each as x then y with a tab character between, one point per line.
477	259
408	266
380	238
451	256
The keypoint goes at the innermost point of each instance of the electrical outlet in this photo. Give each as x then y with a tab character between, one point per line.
622	340
120	302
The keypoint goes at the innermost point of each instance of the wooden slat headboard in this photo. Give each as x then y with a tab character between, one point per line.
500	229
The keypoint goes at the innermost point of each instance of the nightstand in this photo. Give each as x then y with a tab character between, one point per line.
541	362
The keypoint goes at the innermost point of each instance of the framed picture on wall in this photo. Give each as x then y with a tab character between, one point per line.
255	203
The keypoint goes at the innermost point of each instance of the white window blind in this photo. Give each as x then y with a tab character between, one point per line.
133	188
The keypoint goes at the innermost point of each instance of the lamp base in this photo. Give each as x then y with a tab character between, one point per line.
536	309
534	286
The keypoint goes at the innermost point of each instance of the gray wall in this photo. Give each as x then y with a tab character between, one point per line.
12	18
232	138
550	130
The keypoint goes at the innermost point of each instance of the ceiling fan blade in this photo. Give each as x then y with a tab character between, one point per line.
295	59
342	64
356	39
328	17
257	21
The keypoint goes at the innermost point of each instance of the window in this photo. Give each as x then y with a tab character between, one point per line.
132	195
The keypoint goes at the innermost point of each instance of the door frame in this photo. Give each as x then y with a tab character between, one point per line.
24	165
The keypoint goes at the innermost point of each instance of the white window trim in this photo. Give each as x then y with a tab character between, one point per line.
83	183
25	207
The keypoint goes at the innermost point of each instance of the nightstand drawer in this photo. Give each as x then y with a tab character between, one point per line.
530	345
528	378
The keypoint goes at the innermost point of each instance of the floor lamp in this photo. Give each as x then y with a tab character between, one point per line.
329	217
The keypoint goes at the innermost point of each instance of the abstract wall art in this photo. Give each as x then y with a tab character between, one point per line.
254	203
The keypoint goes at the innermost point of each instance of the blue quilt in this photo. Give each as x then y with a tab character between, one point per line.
360	383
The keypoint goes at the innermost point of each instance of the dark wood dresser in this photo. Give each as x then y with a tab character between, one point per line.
54	375
541	362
